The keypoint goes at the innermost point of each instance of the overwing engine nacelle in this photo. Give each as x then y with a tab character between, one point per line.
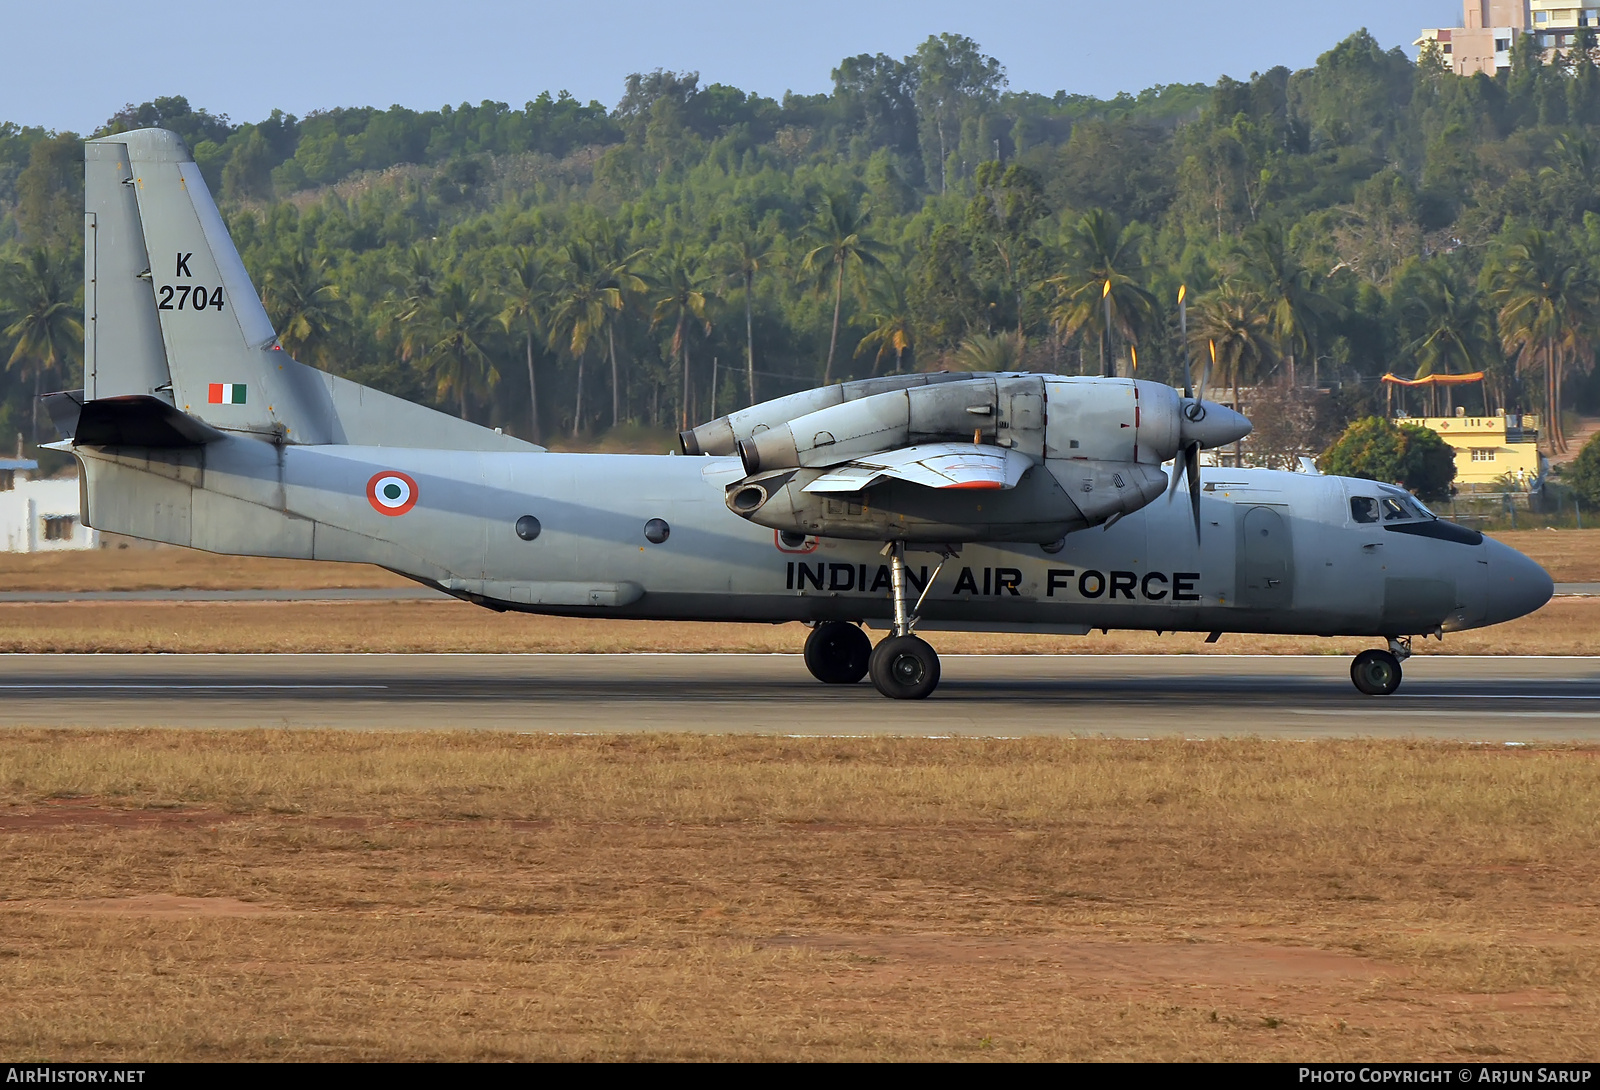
991	458
722	435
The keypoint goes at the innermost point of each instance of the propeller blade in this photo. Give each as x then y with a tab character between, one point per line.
1183	327
1193	468
1177	473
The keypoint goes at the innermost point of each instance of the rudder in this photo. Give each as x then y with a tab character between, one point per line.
172	314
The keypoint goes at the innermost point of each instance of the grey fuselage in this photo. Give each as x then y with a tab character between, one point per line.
1280	552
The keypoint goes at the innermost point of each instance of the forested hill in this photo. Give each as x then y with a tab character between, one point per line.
563	268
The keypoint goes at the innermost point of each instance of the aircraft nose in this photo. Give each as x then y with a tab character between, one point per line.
1210	424
1517	586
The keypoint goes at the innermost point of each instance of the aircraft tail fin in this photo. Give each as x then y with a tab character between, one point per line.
171	314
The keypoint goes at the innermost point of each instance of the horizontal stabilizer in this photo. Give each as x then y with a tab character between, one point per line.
932	465
133	420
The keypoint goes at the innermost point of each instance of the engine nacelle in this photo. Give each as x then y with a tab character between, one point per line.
1103	419
1049	502
721	436
1007	457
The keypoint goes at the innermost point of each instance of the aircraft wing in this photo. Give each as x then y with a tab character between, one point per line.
932	465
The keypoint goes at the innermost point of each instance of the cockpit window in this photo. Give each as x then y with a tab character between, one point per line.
1400	506
1421	510
1363	509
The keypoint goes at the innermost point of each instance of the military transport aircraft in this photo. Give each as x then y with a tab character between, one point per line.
992	502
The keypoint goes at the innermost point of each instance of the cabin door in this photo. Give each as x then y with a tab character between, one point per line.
1266	559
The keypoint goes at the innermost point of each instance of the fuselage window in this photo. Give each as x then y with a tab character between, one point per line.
1363	509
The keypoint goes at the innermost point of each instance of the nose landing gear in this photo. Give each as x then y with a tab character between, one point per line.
1377	673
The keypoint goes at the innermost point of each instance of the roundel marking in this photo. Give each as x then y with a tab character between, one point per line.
391	492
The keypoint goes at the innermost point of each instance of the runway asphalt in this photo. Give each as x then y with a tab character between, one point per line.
1503	700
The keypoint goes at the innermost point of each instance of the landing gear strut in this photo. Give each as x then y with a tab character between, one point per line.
902	666
837	653
1377	673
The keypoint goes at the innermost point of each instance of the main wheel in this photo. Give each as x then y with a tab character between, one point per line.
1376	673
905	668
837	653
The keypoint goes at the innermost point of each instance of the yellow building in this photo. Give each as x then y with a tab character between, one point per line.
1488	449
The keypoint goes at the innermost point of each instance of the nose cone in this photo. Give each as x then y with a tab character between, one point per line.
1210	424
1517	586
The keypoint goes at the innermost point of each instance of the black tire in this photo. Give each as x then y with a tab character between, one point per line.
837	653
905	668
1376	673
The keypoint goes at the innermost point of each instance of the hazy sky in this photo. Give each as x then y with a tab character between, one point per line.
69	64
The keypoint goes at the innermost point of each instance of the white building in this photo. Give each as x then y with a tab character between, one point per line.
39	515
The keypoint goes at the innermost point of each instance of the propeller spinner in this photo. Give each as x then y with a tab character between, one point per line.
1202	424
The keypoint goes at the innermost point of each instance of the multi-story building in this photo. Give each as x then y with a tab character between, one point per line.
1489	28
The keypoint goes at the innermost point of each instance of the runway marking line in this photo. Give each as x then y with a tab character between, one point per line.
1423	712
74	687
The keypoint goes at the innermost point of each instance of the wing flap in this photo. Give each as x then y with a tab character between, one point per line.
931	465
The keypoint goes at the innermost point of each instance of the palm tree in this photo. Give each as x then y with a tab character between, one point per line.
417	282
47	325
587	293
681	298
303	304
614	255
840	242
745	252
527	297
1447	310
452	333
987	352
1233	323
1572	173
1296	309
1546	302
890	316
1100	279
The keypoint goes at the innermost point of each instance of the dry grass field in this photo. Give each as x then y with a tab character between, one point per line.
171	568
1567	626
1570	556
170	895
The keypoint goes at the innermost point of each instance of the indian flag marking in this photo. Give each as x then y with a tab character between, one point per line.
227	393
391	492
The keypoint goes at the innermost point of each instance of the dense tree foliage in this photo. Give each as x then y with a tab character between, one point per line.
1582	474
563	268
1405	454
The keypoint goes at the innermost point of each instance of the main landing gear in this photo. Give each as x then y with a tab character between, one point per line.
1377	673
902	666
837	653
